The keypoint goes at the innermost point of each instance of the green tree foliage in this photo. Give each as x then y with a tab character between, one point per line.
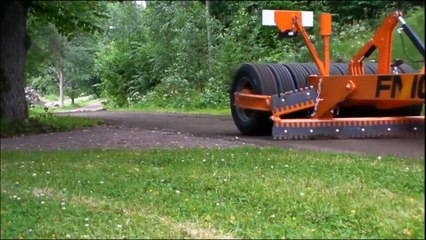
62	38
159	55
69	17
123	55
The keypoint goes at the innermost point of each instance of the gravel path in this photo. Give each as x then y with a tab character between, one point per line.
141	130
113	137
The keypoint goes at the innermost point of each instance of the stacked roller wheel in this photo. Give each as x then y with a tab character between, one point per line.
258	79
271	79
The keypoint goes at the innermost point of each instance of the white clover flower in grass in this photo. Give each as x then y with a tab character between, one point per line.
177	191
302	194
62	204
86	219
18	198
101	182
68	236
379	157
119	226
48	172
63	208
272	166
86	225
42	202
34	174
286	165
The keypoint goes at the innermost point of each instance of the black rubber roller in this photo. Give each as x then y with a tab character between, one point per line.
299	75
310	68
404	68
260	80
283	78
267	81
370	68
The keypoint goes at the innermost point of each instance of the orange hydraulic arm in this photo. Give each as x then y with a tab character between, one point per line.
382	41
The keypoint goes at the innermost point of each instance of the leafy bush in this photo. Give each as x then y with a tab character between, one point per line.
163	60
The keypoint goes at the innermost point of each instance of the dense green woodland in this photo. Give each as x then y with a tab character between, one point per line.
179	54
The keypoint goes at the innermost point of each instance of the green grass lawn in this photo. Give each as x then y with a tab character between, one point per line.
137	108
240	192
41	122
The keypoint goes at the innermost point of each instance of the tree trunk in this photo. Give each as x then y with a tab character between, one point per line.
209	38
72	92
14	43
61	86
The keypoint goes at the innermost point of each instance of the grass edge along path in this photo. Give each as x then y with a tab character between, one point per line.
210	111
246	192
45	123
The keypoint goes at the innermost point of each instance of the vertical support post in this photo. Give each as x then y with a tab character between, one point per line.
325	32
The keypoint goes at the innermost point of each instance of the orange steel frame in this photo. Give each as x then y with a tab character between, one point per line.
354	88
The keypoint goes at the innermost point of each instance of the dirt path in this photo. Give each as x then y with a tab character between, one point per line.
152	130
91	107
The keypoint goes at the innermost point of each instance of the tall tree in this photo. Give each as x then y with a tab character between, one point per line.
58	46
209	38
14	42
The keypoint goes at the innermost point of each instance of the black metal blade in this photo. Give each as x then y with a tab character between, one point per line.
350	128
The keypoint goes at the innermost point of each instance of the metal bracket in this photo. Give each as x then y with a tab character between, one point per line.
293	101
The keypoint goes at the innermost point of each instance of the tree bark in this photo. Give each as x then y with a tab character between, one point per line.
61	85
72	95
14	43
209	38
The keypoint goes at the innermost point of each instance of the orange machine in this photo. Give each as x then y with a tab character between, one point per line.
337	100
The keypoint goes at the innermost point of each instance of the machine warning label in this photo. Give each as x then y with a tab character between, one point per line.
398	86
